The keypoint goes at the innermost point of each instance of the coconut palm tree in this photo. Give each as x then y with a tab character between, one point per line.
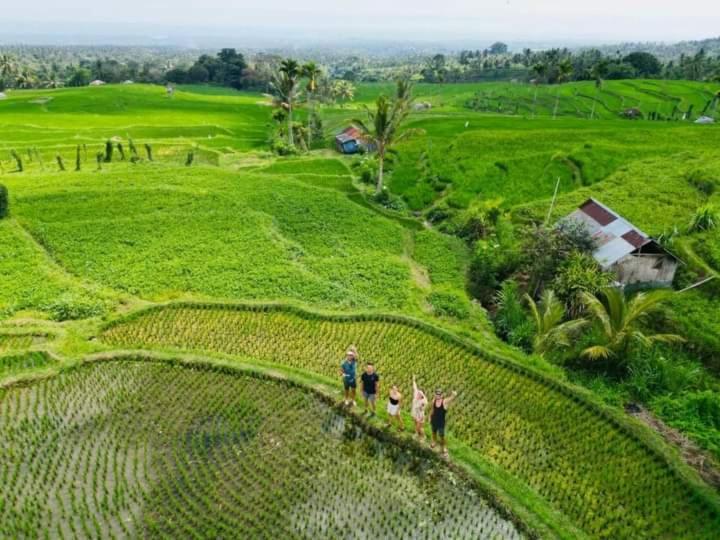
7	65
385	122
284	85
312	72
24	78
620	319
551	332
343	90
565	69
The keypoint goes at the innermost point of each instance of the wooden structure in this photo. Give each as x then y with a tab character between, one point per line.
622	248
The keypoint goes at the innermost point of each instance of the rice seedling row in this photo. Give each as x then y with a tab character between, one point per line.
131	448
587	465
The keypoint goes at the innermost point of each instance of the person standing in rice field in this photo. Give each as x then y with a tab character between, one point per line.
419	404
348	372
393	407
438	419
370	388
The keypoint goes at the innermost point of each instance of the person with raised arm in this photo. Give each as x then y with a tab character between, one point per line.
419	404
438	414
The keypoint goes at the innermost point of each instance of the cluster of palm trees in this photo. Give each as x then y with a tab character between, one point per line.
15	76
619	321
287	90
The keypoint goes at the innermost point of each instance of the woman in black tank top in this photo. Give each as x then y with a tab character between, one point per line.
437	419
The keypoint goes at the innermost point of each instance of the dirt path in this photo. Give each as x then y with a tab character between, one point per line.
691	453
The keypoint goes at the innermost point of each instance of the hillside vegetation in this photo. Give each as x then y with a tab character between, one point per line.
205	243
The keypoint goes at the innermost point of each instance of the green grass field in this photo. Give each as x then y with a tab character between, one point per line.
80	249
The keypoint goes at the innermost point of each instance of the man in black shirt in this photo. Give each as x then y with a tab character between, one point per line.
370	388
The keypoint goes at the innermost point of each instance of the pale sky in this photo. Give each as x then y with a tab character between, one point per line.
596	21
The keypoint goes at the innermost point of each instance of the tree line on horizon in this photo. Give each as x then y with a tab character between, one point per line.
54	67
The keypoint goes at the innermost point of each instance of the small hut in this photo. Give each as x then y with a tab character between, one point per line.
633	113
3	95
349	141
622	248
97	82
705	120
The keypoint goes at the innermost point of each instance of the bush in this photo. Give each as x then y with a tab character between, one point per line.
449	303
511	320
659	371
578	273
703	181
389	200
705	218
70	307
4	202
282	148
494	261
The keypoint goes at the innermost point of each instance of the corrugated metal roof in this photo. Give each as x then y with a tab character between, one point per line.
614	236
598	212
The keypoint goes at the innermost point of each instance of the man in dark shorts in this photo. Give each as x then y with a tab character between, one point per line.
370	388
438	412
348	374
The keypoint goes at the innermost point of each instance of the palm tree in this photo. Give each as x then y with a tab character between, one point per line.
24	79
620	321
385	123
550	330
284	85
312	72
7	65
540	69
343	90
565	69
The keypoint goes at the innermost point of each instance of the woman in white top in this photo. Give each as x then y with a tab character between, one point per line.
419	404
393	407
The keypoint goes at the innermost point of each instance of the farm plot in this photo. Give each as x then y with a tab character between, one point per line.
590	467
158	450
12	364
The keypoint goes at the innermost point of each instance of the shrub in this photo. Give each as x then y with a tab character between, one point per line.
282	148
705	218
578	273
511	320
703	181
4	202
661	370
389	200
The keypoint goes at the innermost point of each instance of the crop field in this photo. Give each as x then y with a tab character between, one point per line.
58	120
153	450
274	265
516	161
158	231
601	476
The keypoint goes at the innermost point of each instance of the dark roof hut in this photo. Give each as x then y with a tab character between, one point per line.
622	248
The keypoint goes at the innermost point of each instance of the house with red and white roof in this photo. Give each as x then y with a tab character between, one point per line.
351	141
622	248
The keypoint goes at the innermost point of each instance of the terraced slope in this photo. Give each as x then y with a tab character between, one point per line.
158	450
591	466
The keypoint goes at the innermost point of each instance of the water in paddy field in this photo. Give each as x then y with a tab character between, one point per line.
131	449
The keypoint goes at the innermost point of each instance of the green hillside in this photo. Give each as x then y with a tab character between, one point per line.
205	254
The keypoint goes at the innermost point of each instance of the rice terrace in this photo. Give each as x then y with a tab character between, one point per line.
359	289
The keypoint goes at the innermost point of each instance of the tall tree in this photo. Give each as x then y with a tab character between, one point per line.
385	123
285	88
565	69
620	322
